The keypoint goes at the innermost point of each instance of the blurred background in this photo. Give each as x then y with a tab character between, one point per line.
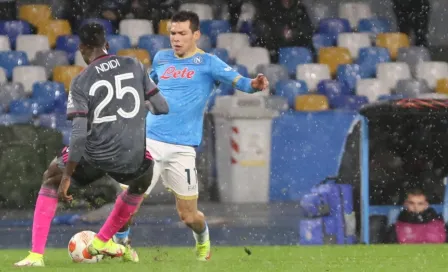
263	157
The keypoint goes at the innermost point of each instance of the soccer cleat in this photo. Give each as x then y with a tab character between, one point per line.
33	259
130	255
110	248
203	252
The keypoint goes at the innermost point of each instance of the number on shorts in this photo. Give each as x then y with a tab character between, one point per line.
120	92
189	176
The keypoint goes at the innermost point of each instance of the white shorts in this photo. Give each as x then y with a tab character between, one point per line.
176	166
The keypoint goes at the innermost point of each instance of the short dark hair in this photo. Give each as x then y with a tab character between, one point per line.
184	16
92	35
415	192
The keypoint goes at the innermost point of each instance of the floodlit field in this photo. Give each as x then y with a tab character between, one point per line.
320	259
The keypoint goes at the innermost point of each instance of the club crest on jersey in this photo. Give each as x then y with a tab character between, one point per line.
197	60
172	72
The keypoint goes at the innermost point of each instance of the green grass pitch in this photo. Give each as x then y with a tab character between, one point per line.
268	258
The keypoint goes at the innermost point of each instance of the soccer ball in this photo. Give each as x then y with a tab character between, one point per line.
77	248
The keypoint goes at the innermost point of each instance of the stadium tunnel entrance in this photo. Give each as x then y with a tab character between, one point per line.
408	147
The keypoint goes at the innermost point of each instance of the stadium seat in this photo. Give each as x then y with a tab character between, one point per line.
274	73
322	40
242	70
348	102
31	44
247	27
204	11
212	28
35	14
53	29
370	57
331	88
65	74
11	59
311	102
333	57
334	26
248	12
12	29
135	28
10	91
371	88
222	54
164	27
290	57
432	71
60	104
312	74
204	43
413	56
442	86
11	119
374	25
153	43
69	44
79	60
232	42
108	27
390	73
412	87
28	75
392	41
48	90
28	106
319	11
3	77
4	43
140	54
117	42
289	89
54	121
353	42
50	59
354	12
349	74
251	57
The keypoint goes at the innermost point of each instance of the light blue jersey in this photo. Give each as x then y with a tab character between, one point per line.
186	84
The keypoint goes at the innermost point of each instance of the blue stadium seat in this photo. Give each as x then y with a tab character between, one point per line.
204	43
222	54
30	107
48	90
212	28
349	74
12	119
69	44
241	69
105	23
11	59
55	121
290	57
248	29
289	89
322	40
369	57
153	43
12	29
374	25
348	102
117	42
332	88
334	26
60	104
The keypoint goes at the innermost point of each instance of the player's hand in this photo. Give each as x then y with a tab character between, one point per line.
260	82
63	189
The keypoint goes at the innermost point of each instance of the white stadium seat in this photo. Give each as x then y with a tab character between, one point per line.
135	28
204	11
232	42
79	60
251	57
354	11
353	42
372	88
312	74
31	44
432	71
28	75
4	43
391	72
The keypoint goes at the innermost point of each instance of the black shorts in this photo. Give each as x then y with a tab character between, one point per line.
85	173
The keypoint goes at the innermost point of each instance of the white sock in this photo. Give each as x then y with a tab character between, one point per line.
203	236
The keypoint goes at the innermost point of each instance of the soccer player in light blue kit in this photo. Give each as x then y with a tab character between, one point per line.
186	76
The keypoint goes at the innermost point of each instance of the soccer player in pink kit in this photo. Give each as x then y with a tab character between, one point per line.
108	105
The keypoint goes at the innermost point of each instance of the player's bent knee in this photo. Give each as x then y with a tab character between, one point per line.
188	218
